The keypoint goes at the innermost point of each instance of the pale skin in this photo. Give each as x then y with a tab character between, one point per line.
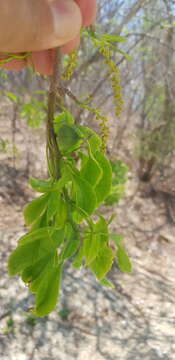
39	26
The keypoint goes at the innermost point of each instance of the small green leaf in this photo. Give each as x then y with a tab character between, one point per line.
103	188
47	186
68	138
85	195
113	38
35	208
40	222
94	242
35	283
27	254
35	235
91	248
93	139
53	205
41	185
91	171
103	262
58	237
107	283
48	291
124	263
69	119
101	226
32	272
61	215
71	246
65	117
117	238
83	157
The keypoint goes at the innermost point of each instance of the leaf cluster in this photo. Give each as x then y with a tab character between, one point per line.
61	222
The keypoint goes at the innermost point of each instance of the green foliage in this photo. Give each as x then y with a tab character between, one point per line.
62	226
34	112
60	221
68	138
119	178
124	263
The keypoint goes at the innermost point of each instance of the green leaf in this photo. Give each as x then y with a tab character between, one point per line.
91	171
53	205
68	138
85	195
101	226
40	222
35	208
116	194
61	215
32	272
84	158
65	117
47	186
58	237
107	283
117	238
42	185
35	284
68	117
124	263
78	259
48	291
113	38
71	246
27	254
93	243
103	188
93	139
103	262
91	248
35	235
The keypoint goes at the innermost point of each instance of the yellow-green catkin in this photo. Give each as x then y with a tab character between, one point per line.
114	78
104	133
71	64
7	57
105	49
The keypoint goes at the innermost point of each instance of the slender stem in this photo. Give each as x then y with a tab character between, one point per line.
53	152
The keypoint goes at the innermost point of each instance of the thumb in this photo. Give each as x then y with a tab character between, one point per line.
30	25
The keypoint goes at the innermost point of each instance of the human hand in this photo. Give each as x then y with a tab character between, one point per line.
38	26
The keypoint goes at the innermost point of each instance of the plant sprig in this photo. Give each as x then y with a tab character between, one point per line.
60	221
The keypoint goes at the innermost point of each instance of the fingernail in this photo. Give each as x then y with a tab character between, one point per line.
66	18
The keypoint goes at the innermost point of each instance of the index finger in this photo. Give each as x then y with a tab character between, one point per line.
88	9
